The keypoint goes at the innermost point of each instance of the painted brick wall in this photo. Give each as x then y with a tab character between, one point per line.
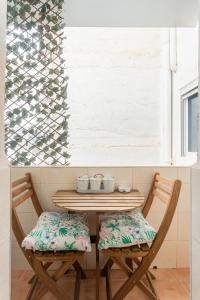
114	95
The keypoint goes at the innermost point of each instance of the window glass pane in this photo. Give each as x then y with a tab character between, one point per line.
192	122
183	128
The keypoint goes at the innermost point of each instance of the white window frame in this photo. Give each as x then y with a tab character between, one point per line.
185	94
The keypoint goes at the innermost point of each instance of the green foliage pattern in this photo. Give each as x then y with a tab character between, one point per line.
125	229
36	114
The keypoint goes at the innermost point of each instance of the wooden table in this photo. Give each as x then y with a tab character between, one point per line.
98	203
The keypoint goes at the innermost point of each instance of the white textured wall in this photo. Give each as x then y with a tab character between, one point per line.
114	95
187	54
175	250
184	79
132	13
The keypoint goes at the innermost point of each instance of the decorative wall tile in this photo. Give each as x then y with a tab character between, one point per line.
142	187
27	206
168	172
46	192
184	174
122	175
61	175
91	258
155	220
28	220
20	172
92	222
184	203
166	257
145	174
183	226
18	261
183	255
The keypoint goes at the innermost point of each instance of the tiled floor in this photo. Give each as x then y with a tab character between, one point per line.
171	284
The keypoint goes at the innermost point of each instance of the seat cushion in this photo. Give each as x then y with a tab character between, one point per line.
125	229
59	231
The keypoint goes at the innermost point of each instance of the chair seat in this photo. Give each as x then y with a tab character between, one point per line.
59	232
51	256
125	230
132	251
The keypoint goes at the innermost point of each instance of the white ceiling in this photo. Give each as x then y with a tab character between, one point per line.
131	13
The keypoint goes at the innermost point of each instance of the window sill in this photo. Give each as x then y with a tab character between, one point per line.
188	160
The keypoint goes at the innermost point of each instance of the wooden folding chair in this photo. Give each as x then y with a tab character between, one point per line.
142	256
22	190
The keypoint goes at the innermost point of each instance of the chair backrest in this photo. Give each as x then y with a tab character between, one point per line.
168	192
23	190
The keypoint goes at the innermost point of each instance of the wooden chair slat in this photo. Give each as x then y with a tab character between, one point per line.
65	256
164	180
20	181
124	252
21	189
144	247
22	198
161	196
135	248
163	188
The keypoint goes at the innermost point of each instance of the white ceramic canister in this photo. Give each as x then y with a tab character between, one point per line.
108	183
83	183
95	182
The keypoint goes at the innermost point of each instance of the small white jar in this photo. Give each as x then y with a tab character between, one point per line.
83	183
95	183
108	183
124	188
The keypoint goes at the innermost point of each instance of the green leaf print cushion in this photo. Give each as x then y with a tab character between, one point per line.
125	229
59	231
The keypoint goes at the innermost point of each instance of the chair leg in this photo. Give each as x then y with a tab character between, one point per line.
108	283
147	291
32	288
31	280
46	266
137	261
109	263
78	268
129	262
153	277
134	279
122	265
149	279
48	281
77	285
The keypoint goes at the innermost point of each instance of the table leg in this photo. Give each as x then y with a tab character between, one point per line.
97	257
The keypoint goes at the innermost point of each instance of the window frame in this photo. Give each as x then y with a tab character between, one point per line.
184	121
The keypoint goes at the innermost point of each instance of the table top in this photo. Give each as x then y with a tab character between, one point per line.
116	201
